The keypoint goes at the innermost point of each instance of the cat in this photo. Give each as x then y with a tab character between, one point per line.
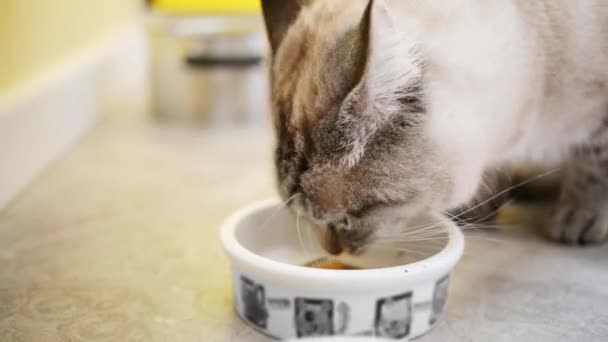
314	317
393	317
254	300
384	109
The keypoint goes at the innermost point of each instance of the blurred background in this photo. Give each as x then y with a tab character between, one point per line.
130	129
68	64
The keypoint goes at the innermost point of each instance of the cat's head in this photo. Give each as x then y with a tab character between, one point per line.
354	151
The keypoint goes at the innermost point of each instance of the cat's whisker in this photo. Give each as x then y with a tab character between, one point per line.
439	226
485	186
489	225
279	208
428	248
462	222
436	227
428	233
493	213
409	250
300	234
422	236
452	217
421	228
426	224
479	228
406	238
311	241
475	237
434	244
402	241
486	226
493	241
423	248
528	181
406	235
424	253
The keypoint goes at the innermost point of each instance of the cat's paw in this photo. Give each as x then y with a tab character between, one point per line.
579	225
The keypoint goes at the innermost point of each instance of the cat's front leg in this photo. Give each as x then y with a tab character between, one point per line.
581	214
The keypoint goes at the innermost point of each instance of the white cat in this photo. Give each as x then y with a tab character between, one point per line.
386	108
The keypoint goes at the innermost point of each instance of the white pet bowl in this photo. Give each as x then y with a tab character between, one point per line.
281	299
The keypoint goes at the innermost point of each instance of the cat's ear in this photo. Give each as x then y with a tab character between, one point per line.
388	59
389	79
279	15
391	70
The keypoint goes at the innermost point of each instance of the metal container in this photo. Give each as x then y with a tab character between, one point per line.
209	70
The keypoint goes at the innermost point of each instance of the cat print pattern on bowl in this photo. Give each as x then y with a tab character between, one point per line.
440	297
307	317
393	316
314	317
254	303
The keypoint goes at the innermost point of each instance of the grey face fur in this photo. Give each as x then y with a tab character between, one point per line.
352	151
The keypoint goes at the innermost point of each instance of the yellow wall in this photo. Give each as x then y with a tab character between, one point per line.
4	42
35	34
207	6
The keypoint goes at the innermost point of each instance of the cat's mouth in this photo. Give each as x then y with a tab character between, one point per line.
389	242
337	241
331	242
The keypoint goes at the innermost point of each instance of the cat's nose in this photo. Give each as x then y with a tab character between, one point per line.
340	238
342	225
331	241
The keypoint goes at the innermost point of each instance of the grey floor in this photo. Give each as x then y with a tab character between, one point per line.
118	241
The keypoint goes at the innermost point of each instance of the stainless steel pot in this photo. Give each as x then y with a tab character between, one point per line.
209	71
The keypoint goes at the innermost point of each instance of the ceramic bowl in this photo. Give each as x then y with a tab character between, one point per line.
282	299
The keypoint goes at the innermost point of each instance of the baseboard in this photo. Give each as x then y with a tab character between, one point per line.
43	117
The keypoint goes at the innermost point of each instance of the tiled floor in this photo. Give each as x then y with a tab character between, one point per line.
118	242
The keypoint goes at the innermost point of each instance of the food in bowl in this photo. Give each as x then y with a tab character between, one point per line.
330	264
278	297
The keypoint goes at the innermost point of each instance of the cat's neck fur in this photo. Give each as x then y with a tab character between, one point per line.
529	64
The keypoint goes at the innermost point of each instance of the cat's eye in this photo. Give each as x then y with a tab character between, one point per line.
413	99
366	208
402	122
373	206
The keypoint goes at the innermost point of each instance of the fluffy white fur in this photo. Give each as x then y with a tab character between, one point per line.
384	79
501	87
502	82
